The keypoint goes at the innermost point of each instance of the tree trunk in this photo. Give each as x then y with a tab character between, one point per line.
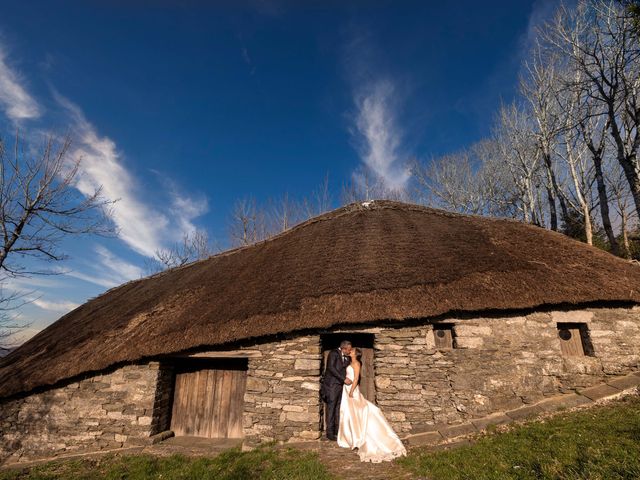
629	163
531	206
625	237
604	204
556	190
583	201
588	230
631	174
553	214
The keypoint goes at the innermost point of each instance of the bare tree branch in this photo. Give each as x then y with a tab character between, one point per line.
39	207
194	246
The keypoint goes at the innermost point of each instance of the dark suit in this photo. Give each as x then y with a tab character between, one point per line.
334	376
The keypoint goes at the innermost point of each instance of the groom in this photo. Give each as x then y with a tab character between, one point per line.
334	377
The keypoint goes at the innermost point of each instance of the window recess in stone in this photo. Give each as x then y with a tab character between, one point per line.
575	340
444	335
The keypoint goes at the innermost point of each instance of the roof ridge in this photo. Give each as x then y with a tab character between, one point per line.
350	208
347	209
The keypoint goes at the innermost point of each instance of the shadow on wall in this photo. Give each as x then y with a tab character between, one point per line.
27	425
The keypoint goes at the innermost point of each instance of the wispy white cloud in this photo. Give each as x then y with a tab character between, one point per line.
376	127
140	224
97	279
116	266
144	225
29	283
247	59
380	133
542	12
14	98
184	208
106	269
59	306
268	8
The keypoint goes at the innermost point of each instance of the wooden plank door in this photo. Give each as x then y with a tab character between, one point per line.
367	378
570	340
208	401
443	336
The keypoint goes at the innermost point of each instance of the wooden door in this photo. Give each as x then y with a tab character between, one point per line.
443	335
208	399
570	340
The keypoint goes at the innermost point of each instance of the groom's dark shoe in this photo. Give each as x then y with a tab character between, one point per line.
329	439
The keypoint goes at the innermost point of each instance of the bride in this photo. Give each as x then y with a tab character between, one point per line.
362	424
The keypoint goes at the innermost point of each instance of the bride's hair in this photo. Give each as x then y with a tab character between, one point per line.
358	354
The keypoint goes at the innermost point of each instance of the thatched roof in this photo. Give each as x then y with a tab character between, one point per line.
356	264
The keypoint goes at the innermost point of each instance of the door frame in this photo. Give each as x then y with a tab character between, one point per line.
330	340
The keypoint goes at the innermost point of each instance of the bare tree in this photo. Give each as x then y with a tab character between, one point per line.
248	223
539	85
39	207
475	180
10	323
622	202
194	246
574	152
366	185
452	182
319	201
593	130
518	150
495	180
283	213
599	39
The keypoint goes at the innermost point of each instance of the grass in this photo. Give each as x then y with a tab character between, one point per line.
599	443
263	463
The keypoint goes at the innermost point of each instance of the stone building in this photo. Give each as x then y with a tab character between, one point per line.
458	317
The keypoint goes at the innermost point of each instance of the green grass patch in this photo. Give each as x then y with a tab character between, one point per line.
599	443
266	463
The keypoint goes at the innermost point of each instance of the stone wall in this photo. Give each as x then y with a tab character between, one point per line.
282	400
101	411
163	398
128	405
497	364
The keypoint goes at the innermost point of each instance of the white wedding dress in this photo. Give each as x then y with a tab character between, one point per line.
363	426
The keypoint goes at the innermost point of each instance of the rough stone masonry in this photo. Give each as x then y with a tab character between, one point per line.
106	410
496	363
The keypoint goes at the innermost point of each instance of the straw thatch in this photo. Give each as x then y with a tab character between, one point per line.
356	264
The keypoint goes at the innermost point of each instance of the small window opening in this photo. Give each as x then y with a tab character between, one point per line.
444	335
574	339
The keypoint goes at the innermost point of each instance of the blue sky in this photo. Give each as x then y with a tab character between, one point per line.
181	108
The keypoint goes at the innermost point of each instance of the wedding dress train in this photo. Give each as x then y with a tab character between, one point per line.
363	426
